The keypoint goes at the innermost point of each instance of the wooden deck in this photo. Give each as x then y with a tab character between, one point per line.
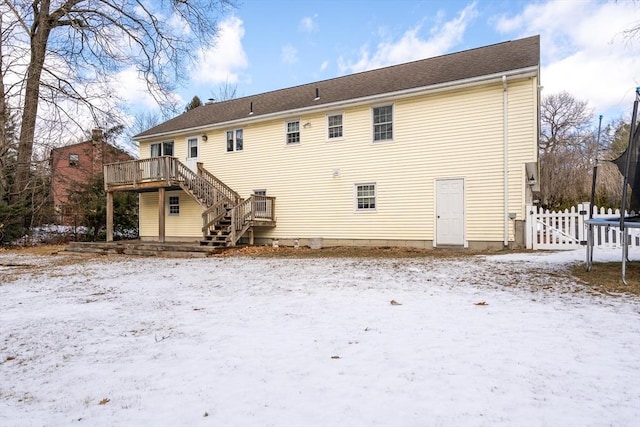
219	202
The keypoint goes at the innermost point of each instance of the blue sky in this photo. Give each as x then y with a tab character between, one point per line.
266	45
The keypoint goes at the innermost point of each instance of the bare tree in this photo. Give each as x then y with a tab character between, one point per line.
226	91
141	122
633	31
568	149
74	46
565	121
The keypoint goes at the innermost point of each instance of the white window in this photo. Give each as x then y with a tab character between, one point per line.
162	149
174	205
365	197
383	123
74	159
334	123
293	132
234	140
192	148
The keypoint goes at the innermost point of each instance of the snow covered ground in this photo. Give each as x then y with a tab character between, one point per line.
504	340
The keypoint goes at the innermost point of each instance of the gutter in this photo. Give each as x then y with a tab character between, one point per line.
441	87
505	137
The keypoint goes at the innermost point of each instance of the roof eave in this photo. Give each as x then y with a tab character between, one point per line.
532	71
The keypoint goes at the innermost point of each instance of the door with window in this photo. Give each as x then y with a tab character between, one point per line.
158	150
450	212
193	149
260	204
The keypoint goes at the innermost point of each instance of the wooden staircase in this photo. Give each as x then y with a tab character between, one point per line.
219	235
226	216
215	197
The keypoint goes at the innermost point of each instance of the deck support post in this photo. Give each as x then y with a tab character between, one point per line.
161	215
109	216
251	236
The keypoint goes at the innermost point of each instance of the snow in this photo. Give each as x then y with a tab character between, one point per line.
245	341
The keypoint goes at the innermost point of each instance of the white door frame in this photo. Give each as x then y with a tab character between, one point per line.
463	241
192	162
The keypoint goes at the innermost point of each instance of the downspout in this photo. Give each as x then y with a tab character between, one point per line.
505	139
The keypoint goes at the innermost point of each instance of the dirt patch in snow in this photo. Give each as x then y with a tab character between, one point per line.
352	252
604	278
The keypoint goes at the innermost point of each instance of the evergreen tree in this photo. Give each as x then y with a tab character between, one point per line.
195	103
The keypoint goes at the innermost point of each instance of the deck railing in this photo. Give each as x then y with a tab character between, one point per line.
217	198
170	170
138	171
250	212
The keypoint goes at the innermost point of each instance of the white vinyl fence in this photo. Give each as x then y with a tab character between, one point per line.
567	229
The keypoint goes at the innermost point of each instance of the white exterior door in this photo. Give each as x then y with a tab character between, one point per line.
193	149
450	211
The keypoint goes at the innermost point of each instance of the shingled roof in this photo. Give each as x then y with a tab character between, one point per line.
468	64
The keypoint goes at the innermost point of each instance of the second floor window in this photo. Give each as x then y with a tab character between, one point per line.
74	159
383	123
293	132
234	140
335	126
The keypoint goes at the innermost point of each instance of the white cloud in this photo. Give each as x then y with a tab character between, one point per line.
583	49
222	62
308	24
411	46
132	90
324	65
289	54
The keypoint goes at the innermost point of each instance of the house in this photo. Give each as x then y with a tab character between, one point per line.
438	152
77	164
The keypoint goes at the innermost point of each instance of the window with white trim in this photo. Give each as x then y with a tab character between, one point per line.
162	149
235	140
383	123
174	205
334	123
365	197
74	159
293	132
192	148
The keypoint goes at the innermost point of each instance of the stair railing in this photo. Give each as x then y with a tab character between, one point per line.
241	216
203	191
212	216
220	186
215	196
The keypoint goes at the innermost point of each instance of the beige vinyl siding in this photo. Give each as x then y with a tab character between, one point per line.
522	140
148	214
188	224
452	134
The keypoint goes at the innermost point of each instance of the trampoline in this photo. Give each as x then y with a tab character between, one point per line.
629	165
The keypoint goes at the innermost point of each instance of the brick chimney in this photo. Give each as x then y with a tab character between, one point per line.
96	135
97	140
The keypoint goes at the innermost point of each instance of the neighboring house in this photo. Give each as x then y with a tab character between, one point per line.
433	153
77	164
